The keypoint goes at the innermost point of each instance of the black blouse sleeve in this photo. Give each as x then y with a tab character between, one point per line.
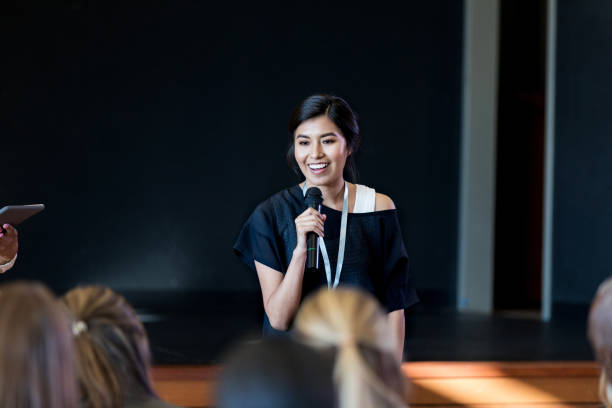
258	242
399	289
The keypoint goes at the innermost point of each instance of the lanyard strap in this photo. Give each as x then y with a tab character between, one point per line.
341	246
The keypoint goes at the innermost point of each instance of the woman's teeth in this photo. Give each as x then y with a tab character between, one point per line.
318	166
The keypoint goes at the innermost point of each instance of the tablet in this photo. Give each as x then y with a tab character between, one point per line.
16	214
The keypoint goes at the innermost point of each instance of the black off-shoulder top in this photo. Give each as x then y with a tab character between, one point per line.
375	258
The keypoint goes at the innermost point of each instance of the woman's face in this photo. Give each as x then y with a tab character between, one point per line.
320	151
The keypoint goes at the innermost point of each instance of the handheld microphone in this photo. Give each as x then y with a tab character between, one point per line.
313	199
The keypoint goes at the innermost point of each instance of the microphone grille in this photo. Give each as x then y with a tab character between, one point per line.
313	196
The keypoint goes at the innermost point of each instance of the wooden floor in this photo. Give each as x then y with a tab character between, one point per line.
435	384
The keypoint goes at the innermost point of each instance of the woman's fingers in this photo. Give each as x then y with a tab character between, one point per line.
8	230
305	226
311	212
8	243
310	221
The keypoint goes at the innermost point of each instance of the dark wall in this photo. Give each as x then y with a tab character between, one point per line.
583	162
152	131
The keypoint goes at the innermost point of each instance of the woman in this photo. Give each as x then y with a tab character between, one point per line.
366	374
36	350
324	136
600	337
113	358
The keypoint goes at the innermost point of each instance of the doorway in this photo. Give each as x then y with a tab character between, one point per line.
520	157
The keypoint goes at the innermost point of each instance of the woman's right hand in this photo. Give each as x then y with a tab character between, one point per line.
309	221
8	243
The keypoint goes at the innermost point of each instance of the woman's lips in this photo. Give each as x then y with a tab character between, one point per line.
318	168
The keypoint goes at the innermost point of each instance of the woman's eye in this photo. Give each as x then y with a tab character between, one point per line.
303	143
328	141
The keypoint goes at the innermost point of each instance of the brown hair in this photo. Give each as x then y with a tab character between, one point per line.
600	335
36	350
113	356
366	372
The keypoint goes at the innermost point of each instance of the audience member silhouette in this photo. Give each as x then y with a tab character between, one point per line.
600	336
276	373
37	368
113	357
366	372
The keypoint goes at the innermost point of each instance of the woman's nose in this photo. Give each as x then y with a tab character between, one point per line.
316	150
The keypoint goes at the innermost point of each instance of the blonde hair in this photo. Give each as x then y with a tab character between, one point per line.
600	336
366	373
113	357
36	350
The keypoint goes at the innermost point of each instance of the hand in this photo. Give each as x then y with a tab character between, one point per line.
309	221
8	243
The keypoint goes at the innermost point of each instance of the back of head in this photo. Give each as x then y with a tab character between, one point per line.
366	372
36	349
600	336
113	357
276	373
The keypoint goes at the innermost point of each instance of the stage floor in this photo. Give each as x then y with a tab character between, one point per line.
435	384
201	333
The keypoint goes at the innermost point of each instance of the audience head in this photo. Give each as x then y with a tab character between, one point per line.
276	373
36	349
351	321
113	357
600	336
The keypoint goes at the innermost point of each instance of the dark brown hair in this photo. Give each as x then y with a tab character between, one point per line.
339	112
36	350
113	356
276	372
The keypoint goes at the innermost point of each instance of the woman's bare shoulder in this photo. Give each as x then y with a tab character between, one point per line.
383	202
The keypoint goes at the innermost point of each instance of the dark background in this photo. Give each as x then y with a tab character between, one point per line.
151	131
582	253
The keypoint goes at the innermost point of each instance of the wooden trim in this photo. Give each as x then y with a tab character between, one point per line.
434	384
499	369
186	372
511	391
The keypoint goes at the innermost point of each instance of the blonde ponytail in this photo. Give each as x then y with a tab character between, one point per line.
353	322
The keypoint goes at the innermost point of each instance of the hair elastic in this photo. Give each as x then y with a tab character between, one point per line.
78	327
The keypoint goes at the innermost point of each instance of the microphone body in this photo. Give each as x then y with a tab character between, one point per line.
313	199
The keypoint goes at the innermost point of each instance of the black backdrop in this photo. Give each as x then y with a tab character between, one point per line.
582	255
151	131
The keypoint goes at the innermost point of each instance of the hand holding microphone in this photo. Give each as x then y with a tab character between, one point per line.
309	225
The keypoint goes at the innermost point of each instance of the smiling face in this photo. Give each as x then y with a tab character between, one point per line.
321	151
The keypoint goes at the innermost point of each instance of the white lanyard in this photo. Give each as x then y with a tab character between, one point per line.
341	246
